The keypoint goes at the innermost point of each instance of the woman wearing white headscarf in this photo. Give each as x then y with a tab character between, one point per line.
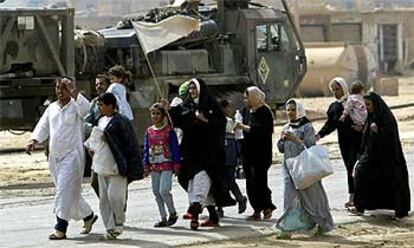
257	152
349	136
303	209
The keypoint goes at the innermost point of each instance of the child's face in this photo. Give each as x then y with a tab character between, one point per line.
291	112
156	116
106	110
228	110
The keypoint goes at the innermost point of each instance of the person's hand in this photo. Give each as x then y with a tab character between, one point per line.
165	104
91	153
147	171
176	172
358	128
30	146
342	118
201	116
71	87
237	125
290	136
317	138
374	127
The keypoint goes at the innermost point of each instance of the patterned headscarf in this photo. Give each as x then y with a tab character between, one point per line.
341	81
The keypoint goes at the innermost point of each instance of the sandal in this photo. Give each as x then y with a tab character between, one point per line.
267	213
319	232
87	226
57	235
348	204
254	217
284	235
356	211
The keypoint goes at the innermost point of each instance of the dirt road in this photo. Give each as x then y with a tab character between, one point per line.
25	180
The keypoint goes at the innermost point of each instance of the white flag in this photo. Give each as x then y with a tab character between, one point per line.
153	36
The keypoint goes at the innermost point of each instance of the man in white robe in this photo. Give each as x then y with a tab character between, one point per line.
62	123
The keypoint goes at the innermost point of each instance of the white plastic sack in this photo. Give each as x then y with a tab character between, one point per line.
310	166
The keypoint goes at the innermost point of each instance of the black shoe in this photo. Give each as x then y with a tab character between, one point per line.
162	223
220	213
243	205
172	219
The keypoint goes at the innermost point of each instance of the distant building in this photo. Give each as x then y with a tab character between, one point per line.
387	32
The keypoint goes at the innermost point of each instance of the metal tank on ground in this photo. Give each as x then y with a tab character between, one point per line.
327	60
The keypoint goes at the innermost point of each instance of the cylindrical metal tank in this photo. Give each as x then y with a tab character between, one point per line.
327	60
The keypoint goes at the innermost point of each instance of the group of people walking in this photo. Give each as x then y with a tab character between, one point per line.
205	154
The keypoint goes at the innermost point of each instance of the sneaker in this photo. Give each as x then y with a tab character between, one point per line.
243	205
161	223
57	235
172	219
87	225
118	230
210	223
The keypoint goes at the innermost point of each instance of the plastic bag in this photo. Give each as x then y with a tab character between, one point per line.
310	166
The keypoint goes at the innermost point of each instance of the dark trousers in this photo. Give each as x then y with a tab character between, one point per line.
260	196
62	225
350	156
232	184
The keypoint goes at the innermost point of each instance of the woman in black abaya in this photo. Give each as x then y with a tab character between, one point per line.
381	176
202	149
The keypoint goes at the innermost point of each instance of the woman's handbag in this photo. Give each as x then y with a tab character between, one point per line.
310	166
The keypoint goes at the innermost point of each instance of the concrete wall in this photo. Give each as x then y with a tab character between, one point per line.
370	22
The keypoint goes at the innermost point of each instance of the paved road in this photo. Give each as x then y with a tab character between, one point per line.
26	222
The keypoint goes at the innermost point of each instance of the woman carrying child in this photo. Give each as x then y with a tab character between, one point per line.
303	208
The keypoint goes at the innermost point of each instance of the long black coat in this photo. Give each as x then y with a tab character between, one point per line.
257	144
202	145
348	138
381	176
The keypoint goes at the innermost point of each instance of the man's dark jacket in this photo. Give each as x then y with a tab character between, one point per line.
124	146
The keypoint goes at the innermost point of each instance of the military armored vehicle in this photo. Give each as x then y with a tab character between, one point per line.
239	44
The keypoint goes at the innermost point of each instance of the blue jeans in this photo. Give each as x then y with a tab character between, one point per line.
161	187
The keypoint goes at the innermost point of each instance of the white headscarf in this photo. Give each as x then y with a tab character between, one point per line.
300	110
197	85
256	97
341	81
